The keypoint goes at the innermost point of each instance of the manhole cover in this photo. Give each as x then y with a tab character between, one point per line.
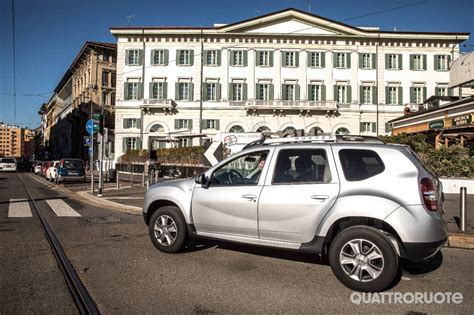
102	220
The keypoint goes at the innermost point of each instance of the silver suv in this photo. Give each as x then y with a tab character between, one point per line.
362	202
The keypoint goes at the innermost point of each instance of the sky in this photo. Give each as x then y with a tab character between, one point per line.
50	33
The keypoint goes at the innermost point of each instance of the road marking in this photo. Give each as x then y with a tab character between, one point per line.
19	208
123	198
61	208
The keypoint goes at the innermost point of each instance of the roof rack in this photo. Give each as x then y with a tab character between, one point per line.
314	139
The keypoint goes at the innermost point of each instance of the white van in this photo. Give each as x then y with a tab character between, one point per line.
7	164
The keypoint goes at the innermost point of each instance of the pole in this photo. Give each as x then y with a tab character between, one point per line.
201	90
101	155
463	206
91	152
376	82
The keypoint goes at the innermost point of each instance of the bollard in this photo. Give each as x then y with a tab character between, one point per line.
131	177
462	207
143	178
117	179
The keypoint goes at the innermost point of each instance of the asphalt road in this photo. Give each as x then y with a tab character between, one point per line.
125	274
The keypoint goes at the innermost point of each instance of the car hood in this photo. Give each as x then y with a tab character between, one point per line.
183	184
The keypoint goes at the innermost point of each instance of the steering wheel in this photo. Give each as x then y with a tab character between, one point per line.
234	174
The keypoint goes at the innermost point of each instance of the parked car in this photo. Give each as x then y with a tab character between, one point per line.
363	203
45	167
71	170
52	171
37	167
8	164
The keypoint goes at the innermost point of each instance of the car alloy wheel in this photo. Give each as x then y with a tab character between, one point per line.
165	230
361	260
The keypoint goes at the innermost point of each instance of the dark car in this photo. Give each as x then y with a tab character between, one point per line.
71	170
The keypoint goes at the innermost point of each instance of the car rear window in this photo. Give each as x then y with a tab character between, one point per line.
298	166
73	164
360	164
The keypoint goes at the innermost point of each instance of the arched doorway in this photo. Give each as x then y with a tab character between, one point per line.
342	131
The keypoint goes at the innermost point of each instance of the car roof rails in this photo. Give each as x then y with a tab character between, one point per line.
314	139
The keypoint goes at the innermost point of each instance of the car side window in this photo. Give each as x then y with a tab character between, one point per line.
298	166
360	164
244	170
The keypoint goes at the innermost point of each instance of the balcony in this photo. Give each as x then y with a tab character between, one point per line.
280	106
149	105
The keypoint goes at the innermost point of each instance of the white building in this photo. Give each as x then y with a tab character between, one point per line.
285	70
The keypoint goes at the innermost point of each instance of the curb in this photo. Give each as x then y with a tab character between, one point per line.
461	240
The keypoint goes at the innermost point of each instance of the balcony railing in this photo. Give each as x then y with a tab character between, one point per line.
159	103
281	104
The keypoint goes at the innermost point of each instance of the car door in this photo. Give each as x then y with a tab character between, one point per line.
302	187
229	204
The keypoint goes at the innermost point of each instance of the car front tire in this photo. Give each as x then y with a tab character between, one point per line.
167	229
363	259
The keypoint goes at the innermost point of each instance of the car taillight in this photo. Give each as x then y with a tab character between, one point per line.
428	194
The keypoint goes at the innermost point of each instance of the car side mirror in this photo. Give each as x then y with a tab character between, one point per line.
203	180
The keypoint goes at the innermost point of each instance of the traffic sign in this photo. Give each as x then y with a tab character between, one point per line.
90	126
96	116
87	141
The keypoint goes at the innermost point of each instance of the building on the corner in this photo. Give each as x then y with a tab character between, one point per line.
282	71
16	141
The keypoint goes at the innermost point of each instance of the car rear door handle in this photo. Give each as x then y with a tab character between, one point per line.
320	197
249	197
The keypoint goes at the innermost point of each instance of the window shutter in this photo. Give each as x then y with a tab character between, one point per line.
297	58
450	92
348	60
127	57
412	94
139	143
412	62
124	145
139	123
374	61
218	127
191	92
449	62
361	127
190	123
310	59
435	65
205	57
361	60
176	91
140	90
323	92
270	55
334	60
283	59
424	63
375	95
245	53
191	57
437	91
150	90
257	56
152	57
297	92
176	124
166	57
125	91
218	91
218	57
387	95
310	93
231	91
165	90
232	53
335	93
400	62
400	95
323	59
204	124
271	91
125	123
361	94
283	92
349	94
374	127
244	92
425	91
178	62
204	91
257	91
140	57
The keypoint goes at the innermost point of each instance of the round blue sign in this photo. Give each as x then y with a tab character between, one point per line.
90	126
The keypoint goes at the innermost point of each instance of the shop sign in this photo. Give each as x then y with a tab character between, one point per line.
462	120
437	124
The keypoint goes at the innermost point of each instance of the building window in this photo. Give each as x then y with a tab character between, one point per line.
263	58
183	91
133	57
368	127
159	57
112	98
211	92
131	123
158	91
237	57
132	91
113	79
442	62
131	144
105	78
392	63
290	59
418	95
184	142
417	62
315	59
236	129
441	91
105	98
237	92
183	124
211	124
366	95
315	92
341	93
263	91
341	60
212	58
393	95
263	129
289	92
366	61
184	57
157	128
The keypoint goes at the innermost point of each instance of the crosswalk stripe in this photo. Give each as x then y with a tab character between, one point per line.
61	208
19	208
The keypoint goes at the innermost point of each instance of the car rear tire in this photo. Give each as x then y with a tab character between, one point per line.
168	230
363	259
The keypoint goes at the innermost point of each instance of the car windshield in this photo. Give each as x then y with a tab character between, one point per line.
73	164
7	160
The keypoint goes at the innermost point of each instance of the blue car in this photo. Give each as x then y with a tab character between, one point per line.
71	170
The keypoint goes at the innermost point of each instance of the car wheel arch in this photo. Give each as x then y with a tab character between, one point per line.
157	204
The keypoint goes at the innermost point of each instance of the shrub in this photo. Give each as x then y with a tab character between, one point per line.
185	155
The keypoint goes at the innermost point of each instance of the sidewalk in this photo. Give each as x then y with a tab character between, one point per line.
131	200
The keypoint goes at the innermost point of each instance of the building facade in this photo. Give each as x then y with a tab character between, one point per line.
279	72
16	141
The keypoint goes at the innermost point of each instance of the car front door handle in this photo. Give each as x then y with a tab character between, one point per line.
249	197
320	197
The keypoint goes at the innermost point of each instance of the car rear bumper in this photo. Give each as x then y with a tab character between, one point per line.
421	251
71	178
